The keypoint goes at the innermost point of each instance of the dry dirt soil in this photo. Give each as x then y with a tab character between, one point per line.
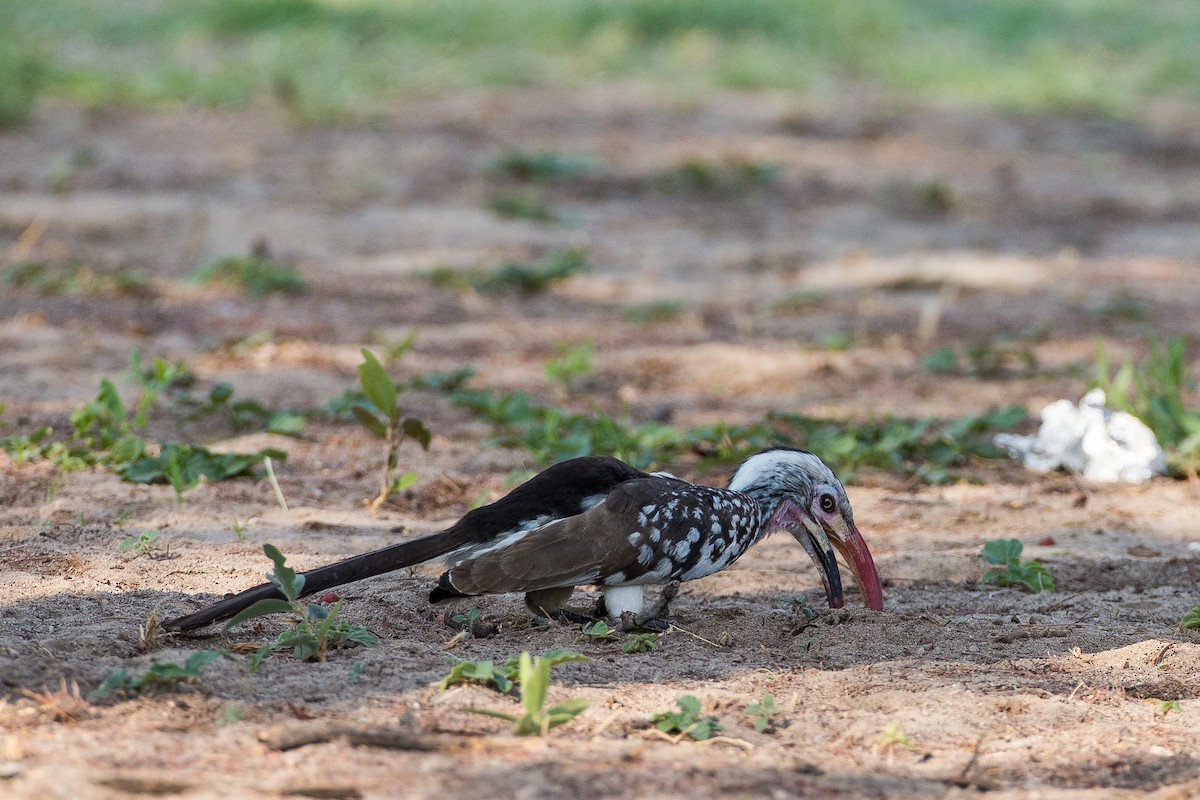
887	234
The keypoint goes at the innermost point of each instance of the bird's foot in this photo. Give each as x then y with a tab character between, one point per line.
573	617
651	619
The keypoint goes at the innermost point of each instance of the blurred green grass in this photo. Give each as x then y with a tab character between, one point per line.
333	60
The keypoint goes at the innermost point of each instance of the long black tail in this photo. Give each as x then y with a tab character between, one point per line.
562	490
376	562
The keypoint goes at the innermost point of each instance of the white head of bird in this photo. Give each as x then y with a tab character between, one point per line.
798	492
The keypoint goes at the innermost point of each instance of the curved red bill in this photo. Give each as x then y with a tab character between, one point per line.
858	557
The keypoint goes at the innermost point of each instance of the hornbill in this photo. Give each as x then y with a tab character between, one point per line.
598	521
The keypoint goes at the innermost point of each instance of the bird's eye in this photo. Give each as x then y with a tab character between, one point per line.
828	504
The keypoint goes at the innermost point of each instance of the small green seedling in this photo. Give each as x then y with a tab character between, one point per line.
158	675
484	672
142	544
256	275
763	714
467	620
569	365
1191	619
639	643
1007	553
1164	707
231	714
505	677
317	629
891	738
540	166
386	420
534	679
597	631
687	720
521	205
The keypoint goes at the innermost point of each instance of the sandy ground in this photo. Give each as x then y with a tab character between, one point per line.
889	233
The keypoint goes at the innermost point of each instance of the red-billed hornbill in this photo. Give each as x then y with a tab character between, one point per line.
598	521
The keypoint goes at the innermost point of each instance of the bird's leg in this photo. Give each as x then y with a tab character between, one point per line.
651	618
548	603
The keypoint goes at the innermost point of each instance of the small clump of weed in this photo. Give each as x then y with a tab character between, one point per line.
928	448
159	675
74	278
1164	707
520	205
140	545
383	416
733	173
656	313
639	643
513	276
1191	619
687	721
762	714
317	628
534	684
539	166
891	738
1154	391
1012	571
570	365
598	631
105	433
257	275
502	677
24	74
986	360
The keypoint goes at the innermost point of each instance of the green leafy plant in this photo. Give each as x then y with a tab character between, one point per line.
687	721
161	376
142	544
1154	391
385	419
74	278
534	684
985	360
1191	619
24	74
655	313
466	620
1013	572
503	677
513	276
231	714
317	628
540	166
520	205
158	675
1164	707
927	448
243	414
553	434
484	672
734	173
105	433
597	631
639	643
893	737
569	365
762	714
255	274
183	466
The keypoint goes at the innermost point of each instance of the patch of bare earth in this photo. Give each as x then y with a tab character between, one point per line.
888	233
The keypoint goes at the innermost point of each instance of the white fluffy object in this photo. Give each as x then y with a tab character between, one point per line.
1089	440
